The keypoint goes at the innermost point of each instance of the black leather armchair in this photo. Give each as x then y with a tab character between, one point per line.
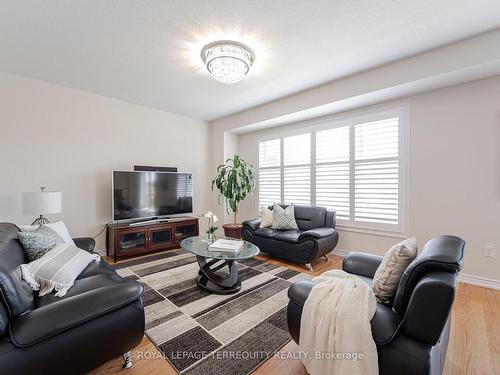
101	316
315	238
411	332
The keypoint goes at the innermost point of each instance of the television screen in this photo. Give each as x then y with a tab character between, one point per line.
138	194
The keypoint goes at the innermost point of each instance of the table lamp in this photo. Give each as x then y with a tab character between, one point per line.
42	203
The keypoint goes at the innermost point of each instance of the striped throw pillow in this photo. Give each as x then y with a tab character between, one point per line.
57	269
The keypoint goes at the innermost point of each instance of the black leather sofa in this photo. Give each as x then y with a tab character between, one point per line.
315	237
411	332
101	317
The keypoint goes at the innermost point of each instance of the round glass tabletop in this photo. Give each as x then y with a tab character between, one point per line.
198	245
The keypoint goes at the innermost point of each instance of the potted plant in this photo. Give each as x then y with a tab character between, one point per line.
212	219
234	181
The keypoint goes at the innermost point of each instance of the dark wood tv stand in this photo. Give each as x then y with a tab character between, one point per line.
125	241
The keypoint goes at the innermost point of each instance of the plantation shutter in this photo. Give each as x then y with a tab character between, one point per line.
376	176
297	169
332	170
352	166
269	172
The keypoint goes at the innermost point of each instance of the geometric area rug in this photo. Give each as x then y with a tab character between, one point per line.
201	333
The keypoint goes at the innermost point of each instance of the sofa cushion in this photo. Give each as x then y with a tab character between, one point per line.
81	286
266	232
288	235
17	294
310	217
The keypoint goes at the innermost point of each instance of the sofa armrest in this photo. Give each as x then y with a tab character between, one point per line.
299	291
429	307
361	264
252	224
385	324
85	243
50	320
317	233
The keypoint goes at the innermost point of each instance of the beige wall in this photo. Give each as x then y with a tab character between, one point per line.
454	172
70	140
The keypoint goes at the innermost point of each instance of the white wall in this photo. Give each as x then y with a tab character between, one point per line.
71	140
454	172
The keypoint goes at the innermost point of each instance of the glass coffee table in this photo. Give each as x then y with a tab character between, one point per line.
218	272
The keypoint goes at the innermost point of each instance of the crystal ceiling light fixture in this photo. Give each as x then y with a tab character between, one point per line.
227	61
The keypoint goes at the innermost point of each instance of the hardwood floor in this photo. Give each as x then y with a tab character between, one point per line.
474	346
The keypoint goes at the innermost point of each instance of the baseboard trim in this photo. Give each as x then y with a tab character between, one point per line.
462	277
479	281
340	253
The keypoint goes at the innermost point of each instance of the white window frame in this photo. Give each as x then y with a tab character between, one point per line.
402	112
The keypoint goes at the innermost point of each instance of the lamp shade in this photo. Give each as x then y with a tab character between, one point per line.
42	203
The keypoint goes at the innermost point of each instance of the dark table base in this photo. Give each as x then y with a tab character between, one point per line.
213	279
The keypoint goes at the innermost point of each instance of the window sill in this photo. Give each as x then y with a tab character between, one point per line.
371	231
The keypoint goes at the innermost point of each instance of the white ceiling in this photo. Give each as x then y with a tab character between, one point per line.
147	52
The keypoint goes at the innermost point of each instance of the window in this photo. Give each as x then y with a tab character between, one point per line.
353	166
297	169
332	170
376	177
269	181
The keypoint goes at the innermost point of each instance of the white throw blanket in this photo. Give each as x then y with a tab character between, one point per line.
335	327
57	269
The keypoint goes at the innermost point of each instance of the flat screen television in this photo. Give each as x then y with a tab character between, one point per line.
141	194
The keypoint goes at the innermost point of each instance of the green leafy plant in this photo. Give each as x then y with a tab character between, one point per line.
235	180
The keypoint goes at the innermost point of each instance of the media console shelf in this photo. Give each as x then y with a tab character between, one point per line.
125	241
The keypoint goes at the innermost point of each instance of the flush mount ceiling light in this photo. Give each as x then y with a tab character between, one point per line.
227	61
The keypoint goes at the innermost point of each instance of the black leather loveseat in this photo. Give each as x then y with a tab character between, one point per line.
412	332
315	238
101	316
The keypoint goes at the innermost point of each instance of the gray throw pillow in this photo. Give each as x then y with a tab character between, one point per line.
39	242
284	218
389	272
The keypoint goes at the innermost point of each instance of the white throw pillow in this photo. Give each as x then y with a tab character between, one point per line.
389	272
266	219
284	218
59	227
57	269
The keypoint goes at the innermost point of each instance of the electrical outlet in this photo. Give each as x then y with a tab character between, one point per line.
489	251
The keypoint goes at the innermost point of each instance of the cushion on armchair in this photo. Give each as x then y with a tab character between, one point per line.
394	263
